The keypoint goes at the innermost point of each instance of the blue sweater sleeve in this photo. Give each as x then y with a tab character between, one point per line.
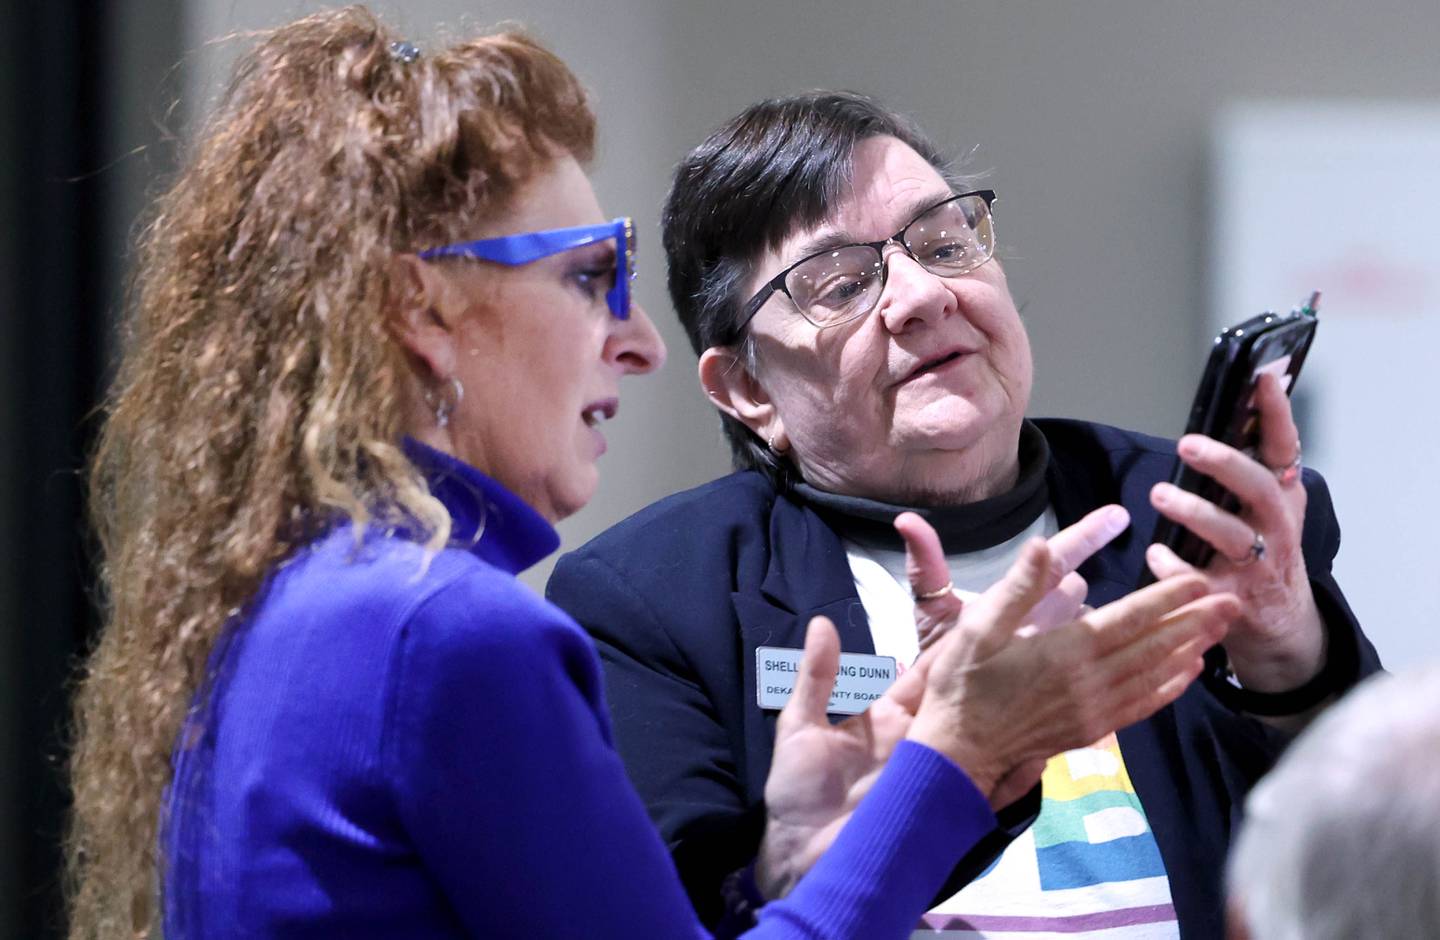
890	860
499	750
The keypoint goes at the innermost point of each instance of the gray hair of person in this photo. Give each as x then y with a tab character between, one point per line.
776	168
1342	838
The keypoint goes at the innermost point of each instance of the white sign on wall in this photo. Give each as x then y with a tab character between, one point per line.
1345	198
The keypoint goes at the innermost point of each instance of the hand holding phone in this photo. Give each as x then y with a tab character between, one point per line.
1275	660
1224	408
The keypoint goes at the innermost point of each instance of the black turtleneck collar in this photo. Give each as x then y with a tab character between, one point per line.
965	528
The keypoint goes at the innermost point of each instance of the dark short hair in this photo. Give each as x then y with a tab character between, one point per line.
776	168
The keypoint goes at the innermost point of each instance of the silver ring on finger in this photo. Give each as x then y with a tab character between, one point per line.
922	596
1256	552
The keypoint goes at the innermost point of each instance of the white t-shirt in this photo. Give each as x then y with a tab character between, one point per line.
1089	868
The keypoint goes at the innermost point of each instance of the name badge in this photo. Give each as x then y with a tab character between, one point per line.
861	679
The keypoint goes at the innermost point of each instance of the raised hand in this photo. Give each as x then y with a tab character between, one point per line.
995	702
938	607
1278	642
820	771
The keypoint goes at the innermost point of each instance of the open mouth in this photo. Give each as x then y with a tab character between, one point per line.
598	412
935	364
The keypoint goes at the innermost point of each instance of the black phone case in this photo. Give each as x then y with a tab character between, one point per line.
1223	409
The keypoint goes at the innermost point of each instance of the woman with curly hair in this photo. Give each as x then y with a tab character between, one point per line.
378	319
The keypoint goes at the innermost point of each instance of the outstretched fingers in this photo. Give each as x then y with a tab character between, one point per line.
1169	666
1007	605
1012	602
1155	666
1071	546
815	680
1151	659
1063	604
1120	622
1162	685
1069	549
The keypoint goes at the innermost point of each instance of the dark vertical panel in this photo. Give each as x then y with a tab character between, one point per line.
78	90
56	328
82	88
9	412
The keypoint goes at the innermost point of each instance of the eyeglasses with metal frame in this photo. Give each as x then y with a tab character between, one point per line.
515	250
837	285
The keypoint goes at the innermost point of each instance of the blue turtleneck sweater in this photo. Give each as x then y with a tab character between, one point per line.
393	745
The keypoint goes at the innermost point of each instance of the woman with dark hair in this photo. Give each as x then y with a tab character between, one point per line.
379	319
858	337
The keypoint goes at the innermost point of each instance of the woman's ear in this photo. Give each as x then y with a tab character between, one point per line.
731	388
423	314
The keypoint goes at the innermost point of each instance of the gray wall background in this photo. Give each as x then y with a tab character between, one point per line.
1092	117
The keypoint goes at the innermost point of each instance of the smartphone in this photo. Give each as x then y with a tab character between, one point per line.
1224	408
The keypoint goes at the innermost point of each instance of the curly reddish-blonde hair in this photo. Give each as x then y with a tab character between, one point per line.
260	394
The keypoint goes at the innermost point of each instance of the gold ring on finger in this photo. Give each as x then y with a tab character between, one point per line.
947	588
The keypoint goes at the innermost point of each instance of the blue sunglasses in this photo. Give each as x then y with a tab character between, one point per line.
526	247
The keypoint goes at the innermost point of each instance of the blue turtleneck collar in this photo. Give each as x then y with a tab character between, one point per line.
486	518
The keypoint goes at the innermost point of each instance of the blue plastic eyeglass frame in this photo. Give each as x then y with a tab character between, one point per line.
515	250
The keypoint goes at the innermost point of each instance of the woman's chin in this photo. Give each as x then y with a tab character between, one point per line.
575	495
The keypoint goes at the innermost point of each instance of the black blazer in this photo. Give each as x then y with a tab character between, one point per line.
679	595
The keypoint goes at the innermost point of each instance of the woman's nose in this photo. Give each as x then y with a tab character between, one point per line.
636	344
911	293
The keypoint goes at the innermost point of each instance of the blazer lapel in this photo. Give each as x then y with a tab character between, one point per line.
808	575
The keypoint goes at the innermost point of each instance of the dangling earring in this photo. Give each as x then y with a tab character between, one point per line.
443	408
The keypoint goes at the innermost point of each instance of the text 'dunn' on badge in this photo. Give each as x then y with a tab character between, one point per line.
861	680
